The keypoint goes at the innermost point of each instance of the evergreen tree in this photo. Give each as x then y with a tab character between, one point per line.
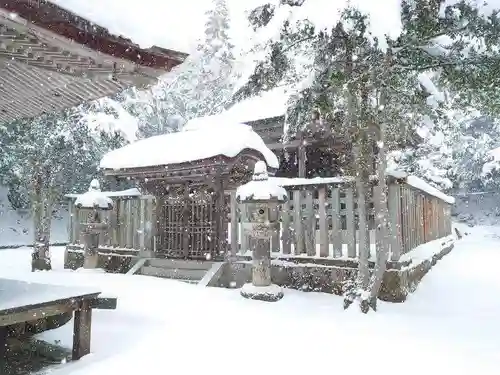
47	157
383	90
200	86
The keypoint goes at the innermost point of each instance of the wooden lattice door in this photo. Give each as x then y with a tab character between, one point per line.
188	227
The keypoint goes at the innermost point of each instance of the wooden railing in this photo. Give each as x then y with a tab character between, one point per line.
326	225
130	224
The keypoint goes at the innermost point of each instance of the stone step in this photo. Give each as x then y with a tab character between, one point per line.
180	264
174	273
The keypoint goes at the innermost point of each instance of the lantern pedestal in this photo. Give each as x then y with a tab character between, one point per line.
93	203
262	199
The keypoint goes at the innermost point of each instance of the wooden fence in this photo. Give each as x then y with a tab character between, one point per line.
326	224
318	221
131	224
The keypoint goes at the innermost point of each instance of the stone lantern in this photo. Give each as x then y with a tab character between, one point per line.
93	203
262	199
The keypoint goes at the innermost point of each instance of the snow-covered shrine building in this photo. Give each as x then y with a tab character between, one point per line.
318	151
186	223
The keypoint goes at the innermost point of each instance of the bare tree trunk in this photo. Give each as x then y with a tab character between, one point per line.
41	225
384	229
362	187
382	223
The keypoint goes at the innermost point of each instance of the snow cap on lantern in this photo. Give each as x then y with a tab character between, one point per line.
261	188
94	198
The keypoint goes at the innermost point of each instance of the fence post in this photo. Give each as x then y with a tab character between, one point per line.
297	223
394	217
324	245
350	223
336	233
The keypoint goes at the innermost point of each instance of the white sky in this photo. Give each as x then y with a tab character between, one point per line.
178	24
169	24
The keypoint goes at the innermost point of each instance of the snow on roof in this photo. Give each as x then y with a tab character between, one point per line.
420	184
414	181
134	192
141	21
268	104
284	181
201	139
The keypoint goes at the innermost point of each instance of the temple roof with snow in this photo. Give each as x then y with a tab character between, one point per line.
202	139
53	59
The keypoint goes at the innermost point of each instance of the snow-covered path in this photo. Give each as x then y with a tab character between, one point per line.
450	325
460	297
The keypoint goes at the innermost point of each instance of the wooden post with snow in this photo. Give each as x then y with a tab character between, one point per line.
262	199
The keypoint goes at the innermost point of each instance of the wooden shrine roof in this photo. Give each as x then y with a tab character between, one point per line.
51	59
190	171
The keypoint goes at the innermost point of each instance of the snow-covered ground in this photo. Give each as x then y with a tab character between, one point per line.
450	325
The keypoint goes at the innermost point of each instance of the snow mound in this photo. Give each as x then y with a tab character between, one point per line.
270	293
201	138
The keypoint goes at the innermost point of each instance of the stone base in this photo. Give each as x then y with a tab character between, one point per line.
115	263
398	282
38	264
271	293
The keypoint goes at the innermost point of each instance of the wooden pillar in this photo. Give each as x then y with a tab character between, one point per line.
159	224
82	330
286	233
220	219
234	224
186	228
244	239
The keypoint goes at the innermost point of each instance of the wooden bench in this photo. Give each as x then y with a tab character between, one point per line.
22	302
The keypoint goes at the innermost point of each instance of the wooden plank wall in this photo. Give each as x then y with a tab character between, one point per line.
131	224
326	224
